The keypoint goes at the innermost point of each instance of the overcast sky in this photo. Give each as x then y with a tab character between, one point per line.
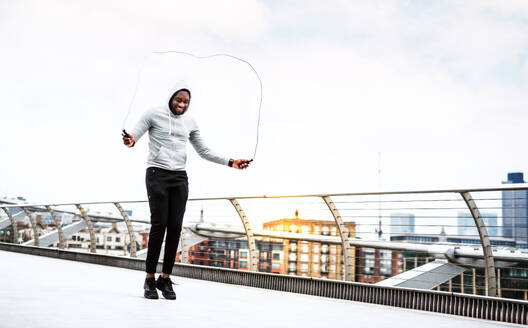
439	88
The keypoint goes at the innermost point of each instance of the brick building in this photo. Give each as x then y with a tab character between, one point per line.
313	259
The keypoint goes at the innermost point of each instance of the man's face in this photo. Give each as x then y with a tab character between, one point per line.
180	102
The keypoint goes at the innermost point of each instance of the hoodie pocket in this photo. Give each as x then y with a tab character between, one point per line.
163	156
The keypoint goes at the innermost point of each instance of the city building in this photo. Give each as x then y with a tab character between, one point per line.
374	265
313	259
112	239
466	224
515	211
234	254
401	223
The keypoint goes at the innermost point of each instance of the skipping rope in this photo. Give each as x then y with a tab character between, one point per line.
202	58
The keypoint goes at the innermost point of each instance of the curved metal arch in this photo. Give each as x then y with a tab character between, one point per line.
491	278
253	257
89	224
130	228
58	225
13	223
344	234
36	241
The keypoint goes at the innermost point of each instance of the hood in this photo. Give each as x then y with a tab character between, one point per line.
179	85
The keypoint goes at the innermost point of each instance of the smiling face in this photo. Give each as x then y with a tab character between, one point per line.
179	102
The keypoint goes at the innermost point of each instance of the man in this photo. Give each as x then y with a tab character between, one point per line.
169	128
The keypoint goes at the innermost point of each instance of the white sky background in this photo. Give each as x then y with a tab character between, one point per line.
438	87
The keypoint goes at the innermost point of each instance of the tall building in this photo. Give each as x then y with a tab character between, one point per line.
313	259
466	224
515	211
402	223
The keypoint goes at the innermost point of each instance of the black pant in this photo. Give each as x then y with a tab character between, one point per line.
167	194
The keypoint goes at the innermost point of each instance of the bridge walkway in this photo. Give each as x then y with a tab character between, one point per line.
47	292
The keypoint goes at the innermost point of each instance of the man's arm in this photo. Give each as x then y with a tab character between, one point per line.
129	139
206	153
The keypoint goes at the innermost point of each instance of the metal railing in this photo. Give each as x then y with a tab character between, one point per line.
355	247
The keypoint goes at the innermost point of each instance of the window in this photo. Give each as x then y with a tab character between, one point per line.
243	255
293	247
324	249
109	238
305	248
292	257
316	248
315	267
315	258
333	249
276	256
305	229
317	230
304	257
334	231
275	266
304	267
368	261
118	239
243	264
385	263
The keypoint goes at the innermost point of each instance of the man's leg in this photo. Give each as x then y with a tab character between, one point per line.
177	202
159	209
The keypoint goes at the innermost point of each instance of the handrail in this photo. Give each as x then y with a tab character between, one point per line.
518	186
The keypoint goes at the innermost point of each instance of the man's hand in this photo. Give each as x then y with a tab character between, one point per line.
241	164
128	140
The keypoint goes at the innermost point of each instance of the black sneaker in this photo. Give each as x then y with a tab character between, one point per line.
165	285
150	288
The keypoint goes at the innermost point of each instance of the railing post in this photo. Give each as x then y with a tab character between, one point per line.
253	257
89	225
184	246
13	223
343	233
491	278
36	240
130	228
58	225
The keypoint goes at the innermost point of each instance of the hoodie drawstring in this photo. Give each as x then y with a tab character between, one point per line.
170	125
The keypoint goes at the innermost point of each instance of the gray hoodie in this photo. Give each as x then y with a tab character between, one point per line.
168	135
